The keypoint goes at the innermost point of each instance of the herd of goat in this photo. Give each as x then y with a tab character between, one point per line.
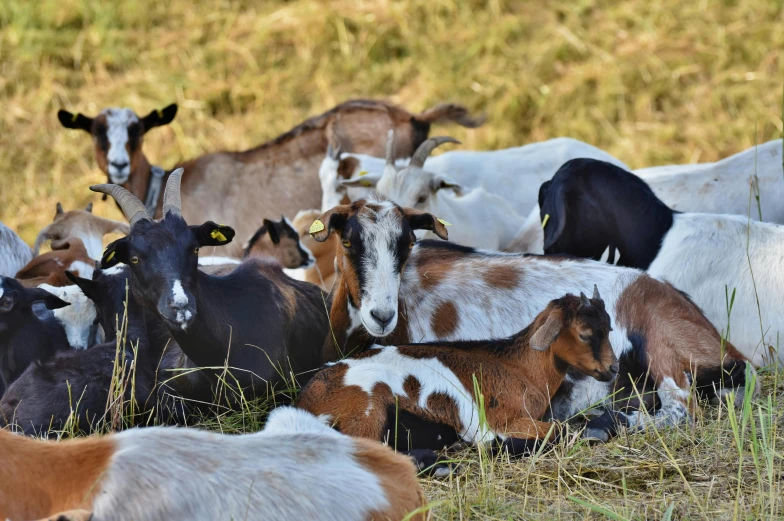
570	291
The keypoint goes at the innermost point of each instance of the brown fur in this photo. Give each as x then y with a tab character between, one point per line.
42	478
280	175
670	320
516	379
444	321
398	479
507	277
50	267
77	223
323	273
71	515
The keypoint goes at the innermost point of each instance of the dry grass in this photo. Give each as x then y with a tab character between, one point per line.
650	82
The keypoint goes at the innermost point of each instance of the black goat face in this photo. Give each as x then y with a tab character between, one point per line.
163	261
15	300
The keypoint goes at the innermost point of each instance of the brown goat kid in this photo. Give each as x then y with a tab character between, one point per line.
440	382
279	176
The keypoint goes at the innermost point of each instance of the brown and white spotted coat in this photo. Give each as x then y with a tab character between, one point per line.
66	255
448	292
441	381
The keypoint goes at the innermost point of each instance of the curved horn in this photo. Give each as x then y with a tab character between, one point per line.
596	293
43	236
131	206
584	302
427	146
171	195
390	152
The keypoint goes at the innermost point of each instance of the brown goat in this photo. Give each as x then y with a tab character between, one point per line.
441	382
278	176
83	225
67	254
323	273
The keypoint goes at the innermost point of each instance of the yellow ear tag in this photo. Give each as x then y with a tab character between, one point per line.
364	172
444	222
546	218
110	257
316	227
218	236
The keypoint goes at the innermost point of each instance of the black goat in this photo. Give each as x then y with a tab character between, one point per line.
26	334
255	322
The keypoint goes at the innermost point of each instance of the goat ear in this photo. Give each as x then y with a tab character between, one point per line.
77	121
58	209
159	117
365	179
49	300
347	166
548	332
272	230
89	208
440	182
87	286
329	221
114	253
552	203
419	220
211	234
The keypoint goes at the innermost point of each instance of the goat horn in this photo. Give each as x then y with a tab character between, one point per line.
596	293
43	236
390	152
171	195
584	302
131	206
427	146
333	153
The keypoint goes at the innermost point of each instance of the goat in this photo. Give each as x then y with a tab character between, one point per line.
254	320
279	240
722	187
79	318
50	267
511	173
482	219
117	476
277	176
322	273
14	252
448	292
721	250
24	335
83	225
516	376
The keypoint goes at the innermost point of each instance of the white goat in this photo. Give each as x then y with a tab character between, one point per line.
297	468
77	319
14	252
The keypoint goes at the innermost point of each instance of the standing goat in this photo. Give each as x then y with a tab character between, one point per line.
14	252
441	382
279	176
700	254
260	324
171	474
393	288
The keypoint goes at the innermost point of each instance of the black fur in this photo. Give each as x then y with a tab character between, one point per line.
633	378
414	432
594	205
710	380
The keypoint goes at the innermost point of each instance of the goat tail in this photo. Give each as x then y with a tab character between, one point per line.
450	113
738	376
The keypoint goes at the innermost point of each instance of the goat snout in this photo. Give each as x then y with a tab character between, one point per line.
119	165
614	368
383	317
176	307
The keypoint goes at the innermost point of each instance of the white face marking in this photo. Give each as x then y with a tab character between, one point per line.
183	318
178	294
382	282
119	162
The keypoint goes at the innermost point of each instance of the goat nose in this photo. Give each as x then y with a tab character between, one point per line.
119	166
383	317
614	368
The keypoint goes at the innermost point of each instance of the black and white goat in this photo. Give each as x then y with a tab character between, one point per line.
260	324
595	206
393	288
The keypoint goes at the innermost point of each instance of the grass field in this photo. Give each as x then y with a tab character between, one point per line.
650	82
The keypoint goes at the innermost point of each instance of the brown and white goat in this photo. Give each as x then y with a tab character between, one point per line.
323	272
279	176
66	255
299	469
442	381
391	287
83	225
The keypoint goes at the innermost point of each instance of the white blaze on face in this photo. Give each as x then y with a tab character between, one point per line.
179	298
118	159
382	279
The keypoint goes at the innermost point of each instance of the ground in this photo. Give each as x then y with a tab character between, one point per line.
650	82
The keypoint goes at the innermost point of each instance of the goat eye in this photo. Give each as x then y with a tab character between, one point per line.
134	259
411	246
196	250
421	199
6	304
585	338
347	244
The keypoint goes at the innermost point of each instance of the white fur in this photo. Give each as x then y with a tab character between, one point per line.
672	410
295	469
178	294
82	269
392	368
217	261
715	247
117	122
76	319
14	252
